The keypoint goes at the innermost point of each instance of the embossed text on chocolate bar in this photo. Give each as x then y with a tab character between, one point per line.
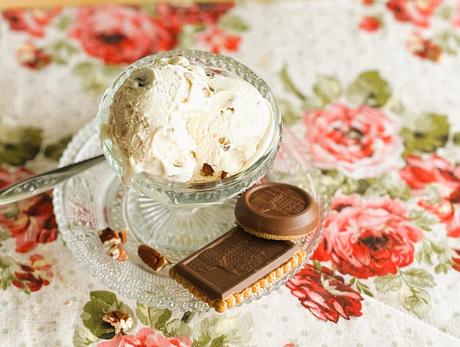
233	262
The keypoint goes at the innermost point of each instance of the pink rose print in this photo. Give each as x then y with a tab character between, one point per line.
325	295
368	238
456	21
34	276
218	40
33	21
417	12
360	142
146	337
30	221
119	34
370	23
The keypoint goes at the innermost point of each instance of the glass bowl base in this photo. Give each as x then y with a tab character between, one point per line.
175	231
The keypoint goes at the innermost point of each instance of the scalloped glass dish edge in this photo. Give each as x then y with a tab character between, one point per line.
160	296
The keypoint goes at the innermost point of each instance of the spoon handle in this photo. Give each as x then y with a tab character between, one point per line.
41	183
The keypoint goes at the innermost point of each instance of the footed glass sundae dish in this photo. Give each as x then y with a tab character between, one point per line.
186	131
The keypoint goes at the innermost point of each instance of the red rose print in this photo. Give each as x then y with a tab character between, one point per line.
119	34
32	57
146	337
8	177
419	172
370	23
417	12
201	13
30	221
453	224
456	260
367	2
218	40
33	276
325	295
434	169
361	142
444	209
33	21
368	238
423	48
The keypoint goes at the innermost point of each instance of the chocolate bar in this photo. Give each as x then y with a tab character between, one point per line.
235	266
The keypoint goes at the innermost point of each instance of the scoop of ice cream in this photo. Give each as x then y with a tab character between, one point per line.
172	119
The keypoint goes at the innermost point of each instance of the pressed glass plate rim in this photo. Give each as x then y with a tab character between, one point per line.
68	156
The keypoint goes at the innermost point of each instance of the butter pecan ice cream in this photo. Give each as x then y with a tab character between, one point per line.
174	119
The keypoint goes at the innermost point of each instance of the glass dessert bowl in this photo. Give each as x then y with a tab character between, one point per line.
179	217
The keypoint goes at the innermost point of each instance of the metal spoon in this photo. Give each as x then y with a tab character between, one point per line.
41	183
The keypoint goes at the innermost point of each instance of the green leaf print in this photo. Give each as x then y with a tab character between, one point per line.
415	300
418	278
187	35
54	150
82	337
456	138
101	303
388	184
231	22
95	77
429	132
160	319
449	41
61	51
369	88
388	283
361	287
289	84
63	22
6	271
327	87
19	144
290	113
4	234
223	330
177	327
422	219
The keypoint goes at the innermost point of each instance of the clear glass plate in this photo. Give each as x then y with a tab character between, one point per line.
94	199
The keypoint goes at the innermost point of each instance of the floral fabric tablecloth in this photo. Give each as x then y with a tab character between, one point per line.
370	88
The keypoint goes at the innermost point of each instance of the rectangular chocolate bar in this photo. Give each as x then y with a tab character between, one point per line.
233	263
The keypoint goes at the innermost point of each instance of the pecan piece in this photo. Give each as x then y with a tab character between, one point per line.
121	321
152	258
207	170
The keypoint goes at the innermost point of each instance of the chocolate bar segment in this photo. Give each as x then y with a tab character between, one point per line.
233	263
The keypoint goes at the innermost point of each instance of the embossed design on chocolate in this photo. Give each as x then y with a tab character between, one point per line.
277	211
233	257
278	201
232	263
